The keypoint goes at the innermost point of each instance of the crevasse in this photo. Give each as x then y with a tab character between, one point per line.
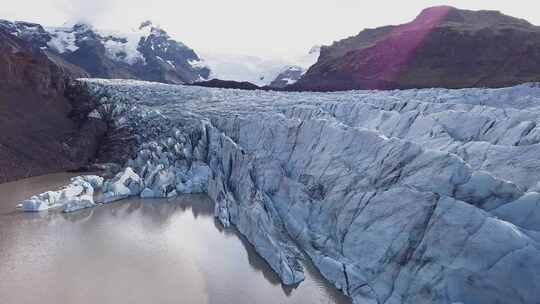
418	196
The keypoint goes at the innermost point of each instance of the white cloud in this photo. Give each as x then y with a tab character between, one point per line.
83	10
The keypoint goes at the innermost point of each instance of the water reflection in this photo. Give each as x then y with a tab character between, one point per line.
137	251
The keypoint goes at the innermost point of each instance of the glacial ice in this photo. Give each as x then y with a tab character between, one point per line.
125	184
417	196
78	194
63	40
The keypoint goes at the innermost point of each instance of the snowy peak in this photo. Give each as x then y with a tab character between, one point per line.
82	27
148	52
67	38
160	50
150	28
145	53
243	68
30	32
64	39
273	72
292	73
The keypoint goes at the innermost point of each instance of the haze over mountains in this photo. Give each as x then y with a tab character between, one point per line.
443	47
146	53
149	53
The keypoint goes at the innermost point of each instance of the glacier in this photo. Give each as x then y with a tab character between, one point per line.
416	196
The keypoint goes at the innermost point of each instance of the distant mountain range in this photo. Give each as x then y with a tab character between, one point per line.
252	73
147	53
269	72
443	47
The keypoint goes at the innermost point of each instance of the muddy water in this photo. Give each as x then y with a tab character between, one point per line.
137	251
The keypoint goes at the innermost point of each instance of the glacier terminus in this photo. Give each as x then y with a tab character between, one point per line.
412	196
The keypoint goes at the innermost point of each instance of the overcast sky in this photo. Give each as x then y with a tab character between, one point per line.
255	27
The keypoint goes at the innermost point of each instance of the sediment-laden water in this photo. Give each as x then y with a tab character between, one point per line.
135	251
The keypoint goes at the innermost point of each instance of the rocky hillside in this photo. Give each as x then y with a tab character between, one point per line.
228	84
39	133
147	53
442	47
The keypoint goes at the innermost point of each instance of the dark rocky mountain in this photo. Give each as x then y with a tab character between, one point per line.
32	33
289	76
147	53
168	60
442	47
41	131
229	84
88	51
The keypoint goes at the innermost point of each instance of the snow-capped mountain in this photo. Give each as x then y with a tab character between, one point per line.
149	53
292	73
146	53
30	32
258	70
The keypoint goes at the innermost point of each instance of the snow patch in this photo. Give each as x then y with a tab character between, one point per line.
253	69
123	46
63	40
257	70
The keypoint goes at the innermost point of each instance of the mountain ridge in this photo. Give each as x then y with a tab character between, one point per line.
442	47
147	53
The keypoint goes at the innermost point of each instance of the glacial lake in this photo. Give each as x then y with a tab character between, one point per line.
135	251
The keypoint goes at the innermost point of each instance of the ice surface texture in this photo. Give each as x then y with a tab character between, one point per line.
418	196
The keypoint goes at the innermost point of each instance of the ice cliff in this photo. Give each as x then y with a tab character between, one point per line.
418	196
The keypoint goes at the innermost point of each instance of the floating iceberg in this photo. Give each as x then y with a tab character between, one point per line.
78	194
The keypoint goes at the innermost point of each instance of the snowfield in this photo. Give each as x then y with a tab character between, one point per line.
417	196
119	46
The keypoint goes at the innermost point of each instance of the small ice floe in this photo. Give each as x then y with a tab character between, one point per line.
78	194
125	184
